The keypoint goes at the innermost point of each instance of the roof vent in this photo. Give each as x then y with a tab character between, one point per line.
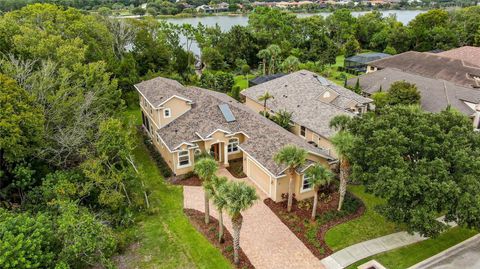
227	113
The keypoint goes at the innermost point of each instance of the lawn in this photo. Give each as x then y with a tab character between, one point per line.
332	73
409	255
369	226
242	82
167	239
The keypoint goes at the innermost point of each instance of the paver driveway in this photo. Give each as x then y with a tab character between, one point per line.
267	242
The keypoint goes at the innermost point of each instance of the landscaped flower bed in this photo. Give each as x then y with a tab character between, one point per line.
210	231
310	232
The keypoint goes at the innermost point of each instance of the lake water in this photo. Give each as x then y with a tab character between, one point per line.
227	22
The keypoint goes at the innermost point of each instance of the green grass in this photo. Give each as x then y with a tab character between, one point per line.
334	75
409	255
241	81
368	226
167	239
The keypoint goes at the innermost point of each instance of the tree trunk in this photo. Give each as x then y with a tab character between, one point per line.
315	203
265	108
207	209
236	225
343	183
220	226
290	191
264	66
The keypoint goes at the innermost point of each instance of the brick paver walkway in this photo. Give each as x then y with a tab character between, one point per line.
267	242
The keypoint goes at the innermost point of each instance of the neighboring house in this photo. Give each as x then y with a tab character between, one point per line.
222	7
468	54
359	62
436	94
431	65
184	121
313	101
448	78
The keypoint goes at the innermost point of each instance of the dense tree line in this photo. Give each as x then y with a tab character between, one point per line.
9	5
272	36
69	184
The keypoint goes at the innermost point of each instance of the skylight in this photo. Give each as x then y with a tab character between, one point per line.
227	113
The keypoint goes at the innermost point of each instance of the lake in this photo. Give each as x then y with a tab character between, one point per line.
227	22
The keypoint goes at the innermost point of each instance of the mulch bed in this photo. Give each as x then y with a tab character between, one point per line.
189	181
210	231
312	233
235	168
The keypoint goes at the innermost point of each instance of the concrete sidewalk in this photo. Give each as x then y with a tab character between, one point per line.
357	252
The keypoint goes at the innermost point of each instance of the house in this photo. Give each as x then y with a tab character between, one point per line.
468	54
448	78
436	94
359	62
222	7
184	121
313	101
431	65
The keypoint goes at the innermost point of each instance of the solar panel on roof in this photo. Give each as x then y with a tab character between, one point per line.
227	113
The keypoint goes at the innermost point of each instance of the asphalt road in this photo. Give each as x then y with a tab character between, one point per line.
465	255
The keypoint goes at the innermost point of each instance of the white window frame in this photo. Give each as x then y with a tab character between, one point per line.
230	144
305	134
178	159
302	189
169	113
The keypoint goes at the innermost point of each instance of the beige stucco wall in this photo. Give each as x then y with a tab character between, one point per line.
253	105
177	107
312	136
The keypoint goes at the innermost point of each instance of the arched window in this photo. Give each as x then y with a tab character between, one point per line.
233	145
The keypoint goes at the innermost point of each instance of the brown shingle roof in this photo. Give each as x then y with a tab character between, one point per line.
158	90
300	93
436	94
432	66
265	138
468	54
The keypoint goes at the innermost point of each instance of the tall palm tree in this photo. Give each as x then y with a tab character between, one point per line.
274	52
290	64
264	55
264	98
293	157
206	168
343	142
317	176
216	193
239	197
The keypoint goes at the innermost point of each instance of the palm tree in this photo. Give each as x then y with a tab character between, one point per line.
290	64
264	55
214	190
283	118
274	52
239	197
340	122
264	98
293	157
206	168
343	142
317	176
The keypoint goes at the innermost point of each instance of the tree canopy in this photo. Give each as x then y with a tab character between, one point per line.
423	164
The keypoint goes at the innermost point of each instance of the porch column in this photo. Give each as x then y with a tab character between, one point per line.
225	154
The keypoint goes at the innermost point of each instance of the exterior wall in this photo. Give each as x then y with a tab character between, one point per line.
177	108
253	105
318	139
167	156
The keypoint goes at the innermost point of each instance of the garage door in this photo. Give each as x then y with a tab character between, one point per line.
259	176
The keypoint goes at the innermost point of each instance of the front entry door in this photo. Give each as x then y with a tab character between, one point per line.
215	151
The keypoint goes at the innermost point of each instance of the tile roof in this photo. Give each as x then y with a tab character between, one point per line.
436	94
432	66
468	54
265	138
300	93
